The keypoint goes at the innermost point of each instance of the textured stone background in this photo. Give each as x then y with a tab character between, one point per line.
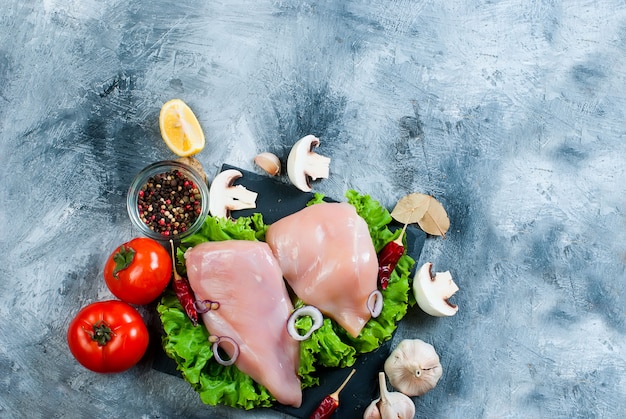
511	113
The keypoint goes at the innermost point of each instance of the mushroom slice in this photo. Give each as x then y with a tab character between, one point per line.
432	291
304	165
225	197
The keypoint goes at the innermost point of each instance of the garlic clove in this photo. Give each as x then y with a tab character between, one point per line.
372	411
413	367
269	162
390	405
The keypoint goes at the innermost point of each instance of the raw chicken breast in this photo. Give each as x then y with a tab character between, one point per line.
327	256
244	277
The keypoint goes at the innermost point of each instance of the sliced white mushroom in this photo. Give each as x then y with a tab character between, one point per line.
225	197
433	291
304	165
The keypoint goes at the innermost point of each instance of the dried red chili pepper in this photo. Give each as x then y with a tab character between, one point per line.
388	258
330	403
183	291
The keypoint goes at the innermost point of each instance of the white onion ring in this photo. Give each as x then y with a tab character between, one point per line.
216	340
204	306
313	313
375	303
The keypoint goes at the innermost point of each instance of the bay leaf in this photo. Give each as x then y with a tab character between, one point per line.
435	221
410	208
424	210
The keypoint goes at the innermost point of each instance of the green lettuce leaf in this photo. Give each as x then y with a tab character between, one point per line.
330	346
219	229
189	347
323	348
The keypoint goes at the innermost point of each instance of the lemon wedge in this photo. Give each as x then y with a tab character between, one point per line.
180	128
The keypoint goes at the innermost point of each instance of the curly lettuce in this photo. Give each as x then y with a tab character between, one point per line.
330	346
189	347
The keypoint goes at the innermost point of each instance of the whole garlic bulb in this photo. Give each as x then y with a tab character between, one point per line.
413	367
390	405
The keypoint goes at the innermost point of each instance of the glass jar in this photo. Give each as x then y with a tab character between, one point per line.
168	200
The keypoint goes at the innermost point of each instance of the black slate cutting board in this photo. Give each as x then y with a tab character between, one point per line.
277	199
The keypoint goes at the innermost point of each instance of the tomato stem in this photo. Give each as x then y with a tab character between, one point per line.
101	333
123	258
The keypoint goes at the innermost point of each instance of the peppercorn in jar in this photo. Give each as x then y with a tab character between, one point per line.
168	200
169	203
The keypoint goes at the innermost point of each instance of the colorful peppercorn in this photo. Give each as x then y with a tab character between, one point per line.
169	203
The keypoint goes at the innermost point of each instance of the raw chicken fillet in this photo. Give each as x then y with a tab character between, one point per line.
244	277
327	256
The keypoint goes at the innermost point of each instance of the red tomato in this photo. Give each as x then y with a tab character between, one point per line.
108	336
138	271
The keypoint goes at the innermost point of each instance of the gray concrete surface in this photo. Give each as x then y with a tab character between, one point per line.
511	113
